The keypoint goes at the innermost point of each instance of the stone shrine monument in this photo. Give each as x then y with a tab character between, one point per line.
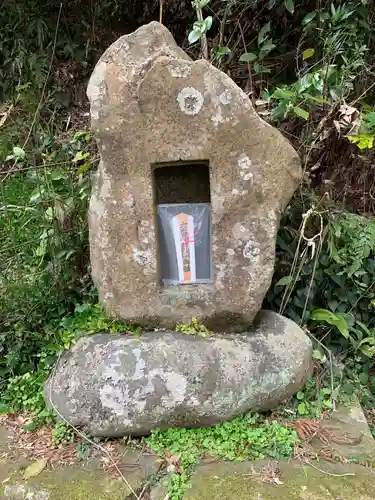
175	131
183	221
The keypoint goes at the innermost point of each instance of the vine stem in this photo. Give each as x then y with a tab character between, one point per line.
161	11
328	473
203	37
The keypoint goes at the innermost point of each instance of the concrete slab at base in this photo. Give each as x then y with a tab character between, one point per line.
78	482
247	481
81	481
348	423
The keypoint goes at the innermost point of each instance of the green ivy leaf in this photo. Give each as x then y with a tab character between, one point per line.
31	427
222	51
308	18
301	408
369	118
41	249
363	378
308	53
318	355
84	168
208	22
348	388
5	408
333	319
367	350
80	155
286	280
266	48
362	141
19	153
333	305
199	26
248	57
262	35
194	36
289	5
301	112
283	94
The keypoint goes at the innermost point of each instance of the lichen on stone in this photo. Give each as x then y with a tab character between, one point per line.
190	101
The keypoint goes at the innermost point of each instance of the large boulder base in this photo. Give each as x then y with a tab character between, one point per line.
152	105
113	385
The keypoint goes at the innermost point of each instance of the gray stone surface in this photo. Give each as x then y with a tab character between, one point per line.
297	481
83	480
113	385
349	433
151	104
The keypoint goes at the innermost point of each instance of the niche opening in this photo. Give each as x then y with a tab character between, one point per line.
183	206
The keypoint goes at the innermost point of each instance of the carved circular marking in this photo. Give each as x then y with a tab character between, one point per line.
190	101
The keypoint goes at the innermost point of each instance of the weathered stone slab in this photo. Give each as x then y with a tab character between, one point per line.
71	483
351	437
80	481
113	385
151	106
254	481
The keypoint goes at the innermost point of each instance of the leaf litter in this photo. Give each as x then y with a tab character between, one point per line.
37	446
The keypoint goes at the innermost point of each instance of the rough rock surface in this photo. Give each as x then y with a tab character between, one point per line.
151	104
117	384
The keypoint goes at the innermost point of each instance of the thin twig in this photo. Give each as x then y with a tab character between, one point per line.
250	79
363	94
289	288
222	27
147	485
333	401
328	473
295	276
203	37
161	2
311	243
44	166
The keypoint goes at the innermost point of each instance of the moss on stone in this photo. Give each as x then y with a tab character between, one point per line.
84	490
90	486
72	483
240	481
82	481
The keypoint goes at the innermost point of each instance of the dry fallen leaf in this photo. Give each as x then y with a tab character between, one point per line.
35	468
173	463
5	115
277	481
347	113
337	126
